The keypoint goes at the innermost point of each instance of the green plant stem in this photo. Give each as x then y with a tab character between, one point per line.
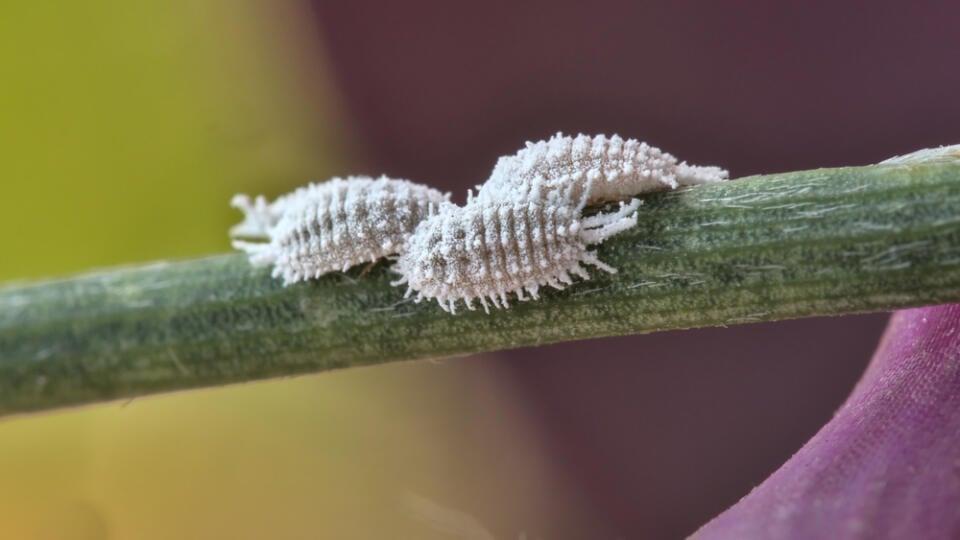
821	242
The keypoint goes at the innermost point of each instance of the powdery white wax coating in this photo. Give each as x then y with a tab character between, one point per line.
334	225
488	250
610	168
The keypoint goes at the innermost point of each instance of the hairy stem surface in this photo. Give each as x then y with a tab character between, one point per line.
820	242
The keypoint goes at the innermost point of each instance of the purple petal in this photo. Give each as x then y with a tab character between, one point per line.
888	464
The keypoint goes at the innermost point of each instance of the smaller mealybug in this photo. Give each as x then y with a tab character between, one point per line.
332	226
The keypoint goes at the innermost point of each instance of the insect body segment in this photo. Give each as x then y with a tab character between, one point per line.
332	226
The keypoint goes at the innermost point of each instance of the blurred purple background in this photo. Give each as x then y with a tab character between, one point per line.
661	432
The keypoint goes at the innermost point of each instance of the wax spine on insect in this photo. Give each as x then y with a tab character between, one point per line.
615	168
333	225
488	250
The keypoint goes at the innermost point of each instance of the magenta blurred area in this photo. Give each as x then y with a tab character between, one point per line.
659	433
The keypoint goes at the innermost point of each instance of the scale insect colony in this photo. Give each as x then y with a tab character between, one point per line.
523	229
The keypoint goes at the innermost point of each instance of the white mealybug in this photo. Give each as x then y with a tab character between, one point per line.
524	229
614	168
489	249
332	226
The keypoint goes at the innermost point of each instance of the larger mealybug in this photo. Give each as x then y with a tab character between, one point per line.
488	250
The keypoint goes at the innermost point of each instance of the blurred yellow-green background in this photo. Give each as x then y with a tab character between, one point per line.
125	128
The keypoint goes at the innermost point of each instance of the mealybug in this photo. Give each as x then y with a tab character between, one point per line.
615	169
489	249
332	226
524	229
